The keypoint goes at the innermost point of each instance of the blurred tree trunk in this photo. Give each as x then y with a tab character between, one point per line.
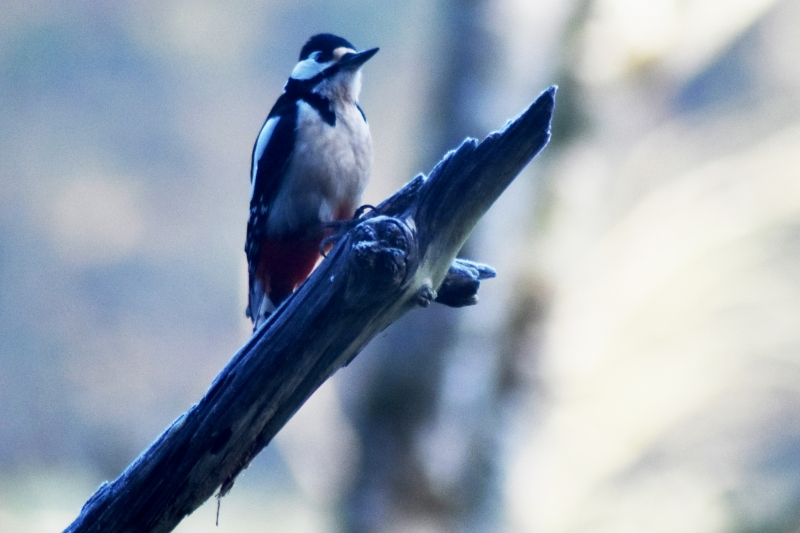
412	474
671	249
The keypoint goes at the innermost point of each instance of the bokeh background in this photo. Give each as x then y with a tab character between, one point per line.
635	367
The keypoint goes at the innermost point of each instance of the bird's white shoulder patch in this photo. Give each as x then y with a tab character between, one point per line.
261	144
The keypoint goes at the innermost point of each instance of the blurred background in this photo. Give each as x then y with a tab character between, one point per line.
635	367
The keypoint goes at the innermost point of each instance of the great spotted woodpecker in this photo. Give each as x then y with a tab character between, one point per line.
311	162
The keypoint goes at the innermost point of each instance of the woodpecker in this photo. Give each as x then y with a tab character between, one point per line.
310	165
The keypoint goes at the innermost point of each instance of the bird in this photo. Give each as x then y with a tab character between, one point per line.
310	164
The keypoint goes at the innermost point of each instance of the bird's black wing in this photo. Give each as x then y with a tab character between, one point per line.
271	153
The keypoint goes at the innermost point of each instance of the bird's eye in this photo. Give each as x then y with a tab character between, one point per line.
317	56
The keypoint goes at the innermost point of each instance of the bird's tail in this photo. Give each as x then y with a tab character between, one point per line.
260	306
282	265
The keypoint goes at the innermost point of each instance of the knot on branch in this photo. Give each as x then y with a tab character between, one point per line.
425	295
382	247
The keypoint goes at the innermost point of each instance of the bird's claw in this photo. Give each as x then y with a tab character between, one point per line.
341	227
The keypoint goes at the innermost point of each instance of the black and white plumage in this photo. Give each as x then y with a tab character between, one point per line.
310	165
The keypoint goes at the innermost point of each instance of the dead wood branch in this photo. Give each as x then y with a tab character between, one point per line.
400	256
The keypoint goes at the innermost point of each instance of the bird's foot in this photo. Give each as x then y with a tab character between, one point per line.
339	228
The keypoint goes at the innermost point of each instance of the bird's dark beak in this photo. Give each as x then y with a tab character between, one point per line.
354	61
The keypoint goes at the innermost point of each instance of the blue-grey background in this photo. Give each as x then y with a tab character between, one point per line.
634	367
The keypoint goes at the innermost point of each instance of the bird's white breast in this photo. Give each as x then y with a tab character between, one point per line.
328	169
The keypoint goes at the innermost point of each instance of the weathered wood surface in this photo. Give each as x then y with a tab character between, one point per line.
399	256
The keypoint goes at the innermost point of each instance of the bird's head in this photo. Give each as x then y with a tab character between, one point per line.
331	66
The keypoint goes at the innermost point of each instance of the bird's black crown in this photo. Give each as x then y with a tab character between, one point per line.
325	43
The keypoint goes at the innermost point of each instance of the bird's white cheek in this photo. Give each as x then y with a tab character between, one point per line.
308	69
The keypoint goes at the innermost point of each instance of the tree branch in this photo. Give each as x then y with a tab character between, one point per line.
394	259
